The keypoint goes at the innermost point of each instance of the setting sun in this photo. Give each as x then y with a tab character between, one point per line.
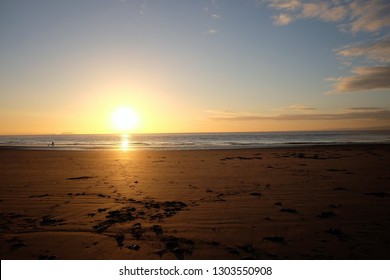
125	119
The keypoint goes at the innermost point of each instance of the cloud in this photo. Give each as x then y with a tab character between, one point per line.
354	16
214	3
356	114
323	10
283	19
214	15
144	7
294	9
215	114
285	5
365	109
376	51
370	16
351	16
211	31
297	108
364	78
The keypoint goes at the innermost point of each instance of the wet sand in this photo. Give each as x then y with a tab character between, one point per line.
323	202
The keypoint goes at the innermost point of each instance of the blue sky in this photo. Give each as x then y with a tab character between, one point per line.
193	66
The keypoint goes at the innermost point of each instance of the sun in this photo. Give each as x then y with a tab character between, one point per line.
125	119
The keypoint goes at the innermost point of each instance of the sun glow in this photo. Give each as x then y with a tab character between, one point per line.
125	119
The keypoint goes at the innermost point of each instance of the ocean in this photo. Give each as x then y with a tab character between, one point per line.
191	141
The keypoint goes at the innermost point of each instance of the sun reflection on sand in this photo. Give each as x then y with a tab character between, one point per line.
125	142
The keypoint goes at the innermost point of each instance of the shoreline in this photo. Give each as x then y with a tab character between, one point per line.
193	141
220	148
305	202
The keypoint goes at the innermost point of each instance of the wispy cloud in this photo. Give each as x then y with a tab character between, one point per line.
297	108
211	31
323	10
364	113
365	109
290	5
283	19
212	10
351	16
370	16
364	78
144	7
378	50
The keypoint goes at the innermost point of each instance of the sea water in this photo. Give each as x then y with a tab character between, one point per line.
192	141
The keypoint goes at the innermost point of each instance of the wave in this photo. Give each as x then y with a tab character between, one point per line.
193	140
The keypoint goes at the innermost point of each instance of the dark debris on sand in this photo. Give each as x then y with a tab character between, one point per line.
316	156
172	207
147	210
113	217
16	243
249	249
340	189
240	158
258	194
137	231
378	194
178	246
134	247
327	215
79	178
245	252
48	220
102	226
289	210
119	239
41	195
157	229
151	210
276	239
337	232
47	257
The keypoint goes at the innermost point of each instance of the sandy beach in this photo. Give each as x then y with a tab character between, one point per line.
320	202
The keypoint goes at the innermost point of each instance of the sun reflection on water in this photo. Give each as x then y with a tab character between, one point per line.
125	146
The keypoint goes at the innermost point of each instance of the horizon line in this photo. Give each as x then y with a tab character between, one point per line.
384	128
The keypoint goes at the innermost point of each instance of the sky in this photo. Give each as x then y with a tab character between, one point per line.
194	66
